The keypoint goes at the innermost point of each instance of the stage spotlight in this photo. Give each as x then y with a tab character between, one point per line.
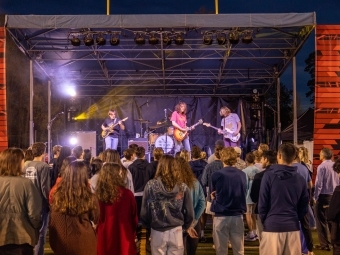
207	39
88	40
234	37
100	40
247	37
75	41
166	40
139	39
179	40
73	140
71	91
221	39
153	40
114	40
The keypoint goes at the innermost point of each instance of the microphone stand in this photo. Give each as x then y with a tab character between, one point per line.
166	133
49	127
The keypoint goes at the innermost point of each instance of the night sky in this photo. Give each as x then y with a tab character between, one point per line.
327	12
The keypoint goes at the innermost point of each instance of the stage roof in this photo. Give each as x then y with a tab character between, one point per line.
191	69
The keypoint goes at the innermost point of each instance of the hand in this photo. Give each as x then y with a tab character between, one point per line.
219	131
192	128
119	122
192	232
235	133
213	195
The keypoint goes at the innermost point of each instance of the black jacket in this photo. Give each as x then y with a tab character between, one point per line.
334	216
140	174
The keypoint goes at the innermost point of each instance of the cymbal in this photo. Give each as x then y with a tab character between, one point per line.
159	125
142	121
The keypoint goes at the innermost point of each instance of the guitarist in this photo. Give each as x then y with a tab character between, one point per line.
230	121
179	121
111	141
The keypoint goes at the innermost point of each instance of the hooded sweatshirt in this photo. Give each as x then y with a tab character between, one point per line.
163	210
140	174
283	199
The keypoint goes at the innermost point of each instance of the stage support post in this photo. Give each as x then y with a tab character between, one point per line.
31	136
49	143
294	101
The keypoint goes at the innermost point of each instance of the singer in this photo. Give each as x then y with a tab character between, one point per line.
230	121
179	121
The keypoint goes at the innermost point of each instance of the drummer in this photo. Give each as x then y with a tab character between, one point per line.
167	123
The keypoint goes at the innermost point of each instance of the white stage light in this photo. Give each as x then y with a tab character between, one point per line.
73	141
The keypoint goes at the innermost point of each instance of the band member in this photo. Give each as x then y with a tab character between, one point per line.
229	121
179	121
111	141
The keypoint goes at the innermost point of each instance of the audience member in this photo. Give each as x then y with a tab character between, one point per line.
198	200
78	152
130	156
251	170
20	206
263	147
116	230
283	201
325	184
56	152
229	186
240	163
28	156
73	210
96	165
257	162
185	154
197	164
131	146
87	156
167	209
304	159
219	144
333	214
65	151
38	172
152	167
268	159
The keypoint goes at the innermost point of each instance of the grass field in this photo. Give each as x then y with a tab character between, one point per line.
251	248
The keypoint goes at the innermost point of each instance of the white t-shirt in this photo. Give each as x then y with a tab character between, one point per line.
230	122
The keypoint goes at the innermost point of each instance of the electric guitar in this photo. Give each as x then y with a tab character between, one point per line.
106	133
227	133
181	135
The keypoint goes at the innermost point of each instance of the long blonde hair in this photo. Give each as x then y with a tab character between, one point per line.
73	195
109	181
188	176
168	171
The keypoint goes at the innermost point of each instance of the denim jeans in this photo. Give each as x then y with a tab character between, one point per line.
111	143
185	143
39	248
228	228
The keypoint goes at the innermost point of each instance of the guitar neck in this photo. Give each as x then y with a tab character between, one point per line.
214	127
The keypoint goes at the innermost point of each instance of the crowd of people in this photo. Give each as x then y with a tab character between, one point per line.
97	205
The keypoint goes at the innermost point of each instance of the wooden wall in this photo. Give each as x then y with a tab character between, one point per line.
3	107
327	91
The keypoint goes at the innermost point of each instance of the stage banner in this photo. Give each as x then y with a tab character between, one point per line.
327	91
3	115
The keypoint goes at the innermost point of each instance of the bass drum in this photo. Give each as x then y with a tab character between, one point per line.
165	142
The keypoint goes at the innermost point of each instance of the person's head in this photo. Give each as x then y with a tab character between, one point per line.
188	176
177	154
326	154
87	155
68	160
286	153
181	107
219	143
238	151
111	155
158	153
250	158
101	156
133	146
11	162
268	158
28	155
56	150
73	195
168	171
263	147
336	166
203	155
96	165
129	153
185	154
65	151
196	152
38	149
217	151
303	154
78	152
228	156
224	111
112	114
258	156
109	181
140	152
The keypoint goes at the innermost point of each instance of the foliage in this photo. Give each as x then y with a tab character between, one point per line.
310	68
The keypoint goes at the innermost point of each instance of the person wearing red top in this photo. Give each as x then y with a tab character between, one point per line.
116	230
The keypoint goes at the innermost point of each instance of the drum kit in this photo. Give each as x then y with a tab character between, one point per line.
163	139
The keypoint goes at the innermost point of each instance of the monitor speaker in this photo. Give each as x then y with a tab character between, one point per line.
142	142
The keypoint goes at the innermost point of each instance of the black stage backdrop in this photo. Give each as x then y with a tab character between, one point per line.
153	110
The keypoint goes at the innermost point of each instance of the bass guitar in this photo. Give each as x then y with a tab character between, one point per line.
106	133
227	133
181	135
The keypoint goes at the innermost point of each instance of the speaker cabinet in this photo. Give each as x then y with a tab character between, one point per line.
142	142
86	139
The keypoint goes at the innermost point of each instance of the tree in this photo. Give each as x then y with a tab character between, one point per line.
310	68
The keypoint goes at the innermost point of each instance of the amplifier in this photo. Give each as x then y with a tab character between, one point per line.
142	142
